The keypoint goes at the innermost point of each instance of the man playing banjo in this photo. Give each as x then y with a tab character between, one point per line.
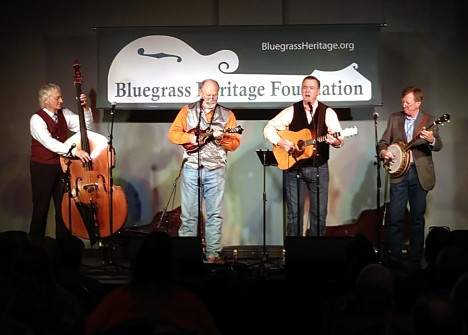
406	147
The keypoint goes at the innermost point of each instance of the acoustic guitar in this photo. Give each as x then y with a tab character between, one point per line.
304	141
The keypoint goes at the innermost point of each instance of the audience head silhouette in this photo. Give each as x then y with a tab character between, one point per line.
451	263
459	295
434	313
436	239
374	284
359	253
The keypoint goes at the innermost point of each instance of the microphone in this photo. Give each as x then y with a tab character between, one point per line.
69	153
311	109
113	107
375	115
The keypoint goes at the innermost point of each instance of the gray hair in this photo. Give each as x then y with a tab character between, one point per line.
45	92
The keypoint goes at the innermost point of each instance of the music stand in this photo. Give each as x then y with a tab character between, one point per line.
267	159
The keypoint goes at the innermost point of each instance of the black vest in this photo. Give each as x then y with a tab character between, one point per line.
299	122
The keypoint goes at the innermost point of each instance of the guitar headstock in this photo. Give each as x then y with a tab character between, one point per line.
78	77
352	131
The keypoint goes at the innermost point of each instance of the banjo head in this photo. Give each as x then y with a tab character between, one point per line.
401	163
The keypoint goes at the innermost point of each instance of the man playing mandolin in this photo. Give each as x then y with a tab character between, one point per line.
406	147
319	120
205	158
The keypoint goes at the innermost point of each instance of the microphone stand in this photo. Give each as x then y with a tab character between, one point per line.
111	184
299	216
316	156
67	186
197	134
379	185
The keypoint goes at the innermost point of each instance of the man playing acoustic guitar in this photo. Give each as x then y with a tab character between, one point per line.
309	170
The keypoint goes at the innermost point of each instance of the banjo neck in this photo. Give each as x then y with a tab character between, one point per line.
441	120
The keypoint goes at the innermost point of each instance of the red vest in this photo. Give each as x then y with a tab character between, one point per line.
58	130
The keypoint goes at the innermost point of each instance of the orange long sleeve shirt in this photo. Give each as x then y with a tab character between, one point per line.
178	132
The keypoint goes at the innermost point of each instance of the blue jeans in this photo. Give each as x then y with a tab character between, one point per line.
212	192
307	183
409	190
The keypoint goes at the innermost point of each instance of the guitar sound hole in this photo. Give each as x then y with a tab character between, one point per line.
300	145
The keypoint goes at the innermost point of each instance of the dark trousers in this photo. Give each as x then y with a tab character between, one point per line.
47	182
409	190
307	178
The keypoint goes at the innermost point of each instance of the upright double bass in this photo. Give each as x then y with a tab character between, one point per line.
93	208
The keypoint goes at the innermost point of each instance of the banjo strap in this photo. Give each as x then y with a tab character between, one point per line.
422	124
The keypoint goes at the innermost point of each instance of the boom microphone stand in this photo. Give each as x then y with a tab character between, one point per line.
171	198
375	115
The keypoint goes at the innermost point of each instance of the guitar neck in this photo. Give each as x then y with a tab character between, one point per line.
319	139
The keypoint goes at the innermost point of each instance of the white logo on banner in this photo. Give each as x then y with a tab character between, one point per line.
164	69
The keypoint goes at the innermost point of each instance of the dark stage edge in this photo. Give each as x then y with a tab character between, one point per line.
111	264
304	261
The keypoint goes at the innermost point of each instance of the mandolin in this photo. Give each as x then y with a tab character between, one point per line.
206	136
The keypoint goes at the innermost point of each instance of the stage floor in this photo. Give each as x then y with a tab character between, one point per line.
111	265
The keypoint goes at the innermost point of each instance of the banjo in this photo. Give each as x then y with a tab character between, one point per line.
401	163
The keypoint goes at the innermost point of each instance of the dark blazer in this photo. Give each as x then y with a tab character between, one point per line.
421	149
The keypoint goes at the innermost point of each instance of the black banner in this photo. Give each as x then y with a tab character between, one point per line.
257	67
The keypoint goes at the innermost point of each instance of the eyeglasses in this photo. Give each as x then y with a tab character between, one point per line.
407	104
